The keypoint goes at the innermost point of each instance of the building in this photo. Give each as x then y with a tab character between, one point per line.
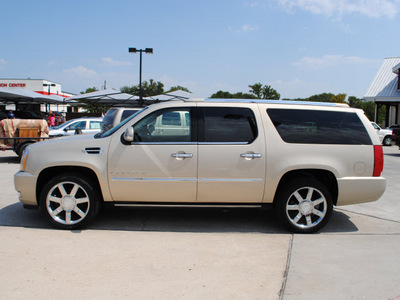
385	90
40	86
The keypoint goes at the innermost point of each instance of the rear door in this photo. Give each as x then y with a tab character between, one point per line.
231	154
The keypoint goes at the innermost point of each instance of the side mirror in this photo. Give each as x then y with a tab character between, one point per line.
66	129
129	134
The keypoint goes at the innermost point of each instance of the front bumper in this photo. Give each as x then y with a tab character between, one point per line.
25	185
353	190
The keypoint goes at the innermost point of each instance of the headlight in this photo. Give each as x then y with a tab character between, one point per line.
24	159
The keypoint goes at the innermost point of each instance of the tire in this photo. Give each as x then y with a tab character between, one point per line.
69	201
304	205
387	141
22	148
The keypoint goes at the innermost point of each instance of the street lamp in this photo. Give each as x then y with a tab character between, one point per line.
149	51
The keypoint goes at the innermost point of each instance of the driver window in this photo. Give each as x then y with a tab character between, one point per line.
77	125
164	126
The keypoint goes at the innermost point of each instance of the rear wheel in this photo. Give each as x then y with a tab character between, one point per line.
387	141
69	201
304	205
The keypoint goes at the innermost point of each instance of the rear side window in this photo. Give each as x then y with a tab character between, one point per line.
319	127
227	125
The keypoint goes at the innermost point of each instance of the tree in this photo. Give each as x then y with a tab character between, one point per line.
90	90
339	98
178	88
368	107
324	97
150	88
228	95
264	92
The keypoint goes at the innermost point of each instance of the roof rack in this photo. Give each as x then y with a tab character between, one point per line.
292	102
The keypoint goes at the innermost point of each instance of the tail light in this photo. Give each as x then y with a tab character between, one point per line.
378	160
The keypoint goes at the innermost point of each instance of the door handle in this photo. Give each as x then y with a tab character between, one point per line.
181	155
250	155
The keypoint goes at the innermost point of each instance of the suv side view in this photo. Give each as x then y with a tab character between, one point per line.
299	158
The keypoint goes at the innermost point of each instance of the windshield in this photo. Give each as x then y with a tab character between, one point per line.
61	125
114	129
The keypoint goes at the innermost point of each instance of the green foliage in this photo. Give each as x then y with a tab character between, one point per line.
257	91
150	88
177	88
264	92
227	95
90	90
369	108
339	98
324	97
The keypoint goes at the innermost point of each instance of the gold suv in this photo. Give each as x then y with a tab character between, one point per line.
299	157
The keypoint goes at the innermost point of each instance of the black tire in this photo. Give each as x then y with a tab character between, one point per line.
22	148
69	201
387	141
304	205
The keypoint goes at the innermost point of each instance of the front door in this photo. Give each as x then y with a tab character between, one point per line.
161	164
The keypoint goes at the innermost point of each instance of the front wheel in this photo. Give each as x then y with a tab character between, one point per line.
304	205
69	201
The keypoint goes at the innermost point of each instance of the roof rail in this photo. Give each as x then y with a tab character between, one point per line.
292	102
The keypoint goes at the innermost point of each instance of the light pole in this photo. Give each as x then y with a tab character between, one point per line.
146	50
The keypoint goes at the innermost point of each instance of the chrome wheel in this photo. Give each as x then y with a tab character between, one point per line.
68	203
306	207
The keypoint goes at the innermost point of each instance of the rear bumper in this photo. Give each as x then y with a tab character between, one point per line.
353	190
25	185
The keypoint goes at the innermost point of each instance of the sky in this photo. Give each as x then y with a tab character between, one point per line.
298	47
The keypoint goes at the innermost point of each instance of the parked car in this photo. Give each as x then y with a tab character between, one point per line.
385	135
394	126
116	115
396	137
290	156
81	125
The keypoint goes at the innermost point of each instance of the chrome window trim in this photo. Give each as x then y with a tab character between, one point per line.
188	179
232	179
163	143
152	179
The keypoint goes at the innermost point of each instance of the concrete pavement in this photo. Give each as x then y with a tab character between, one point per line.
184	253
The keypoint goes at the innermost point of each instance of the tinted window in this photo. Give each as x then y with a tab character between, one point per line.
77	125
228	125
319	127
128	113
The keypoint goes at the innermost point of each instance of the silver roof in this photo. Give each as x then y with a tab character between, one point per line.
384	86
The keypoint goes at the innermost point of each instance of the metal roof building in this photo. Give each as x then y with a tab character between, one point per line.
385	90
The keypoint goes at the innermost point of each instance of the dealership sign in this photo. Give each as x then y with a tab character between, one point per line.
12	85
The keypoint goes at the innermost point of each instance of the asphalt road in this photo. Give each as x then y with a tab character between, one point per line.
187	253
